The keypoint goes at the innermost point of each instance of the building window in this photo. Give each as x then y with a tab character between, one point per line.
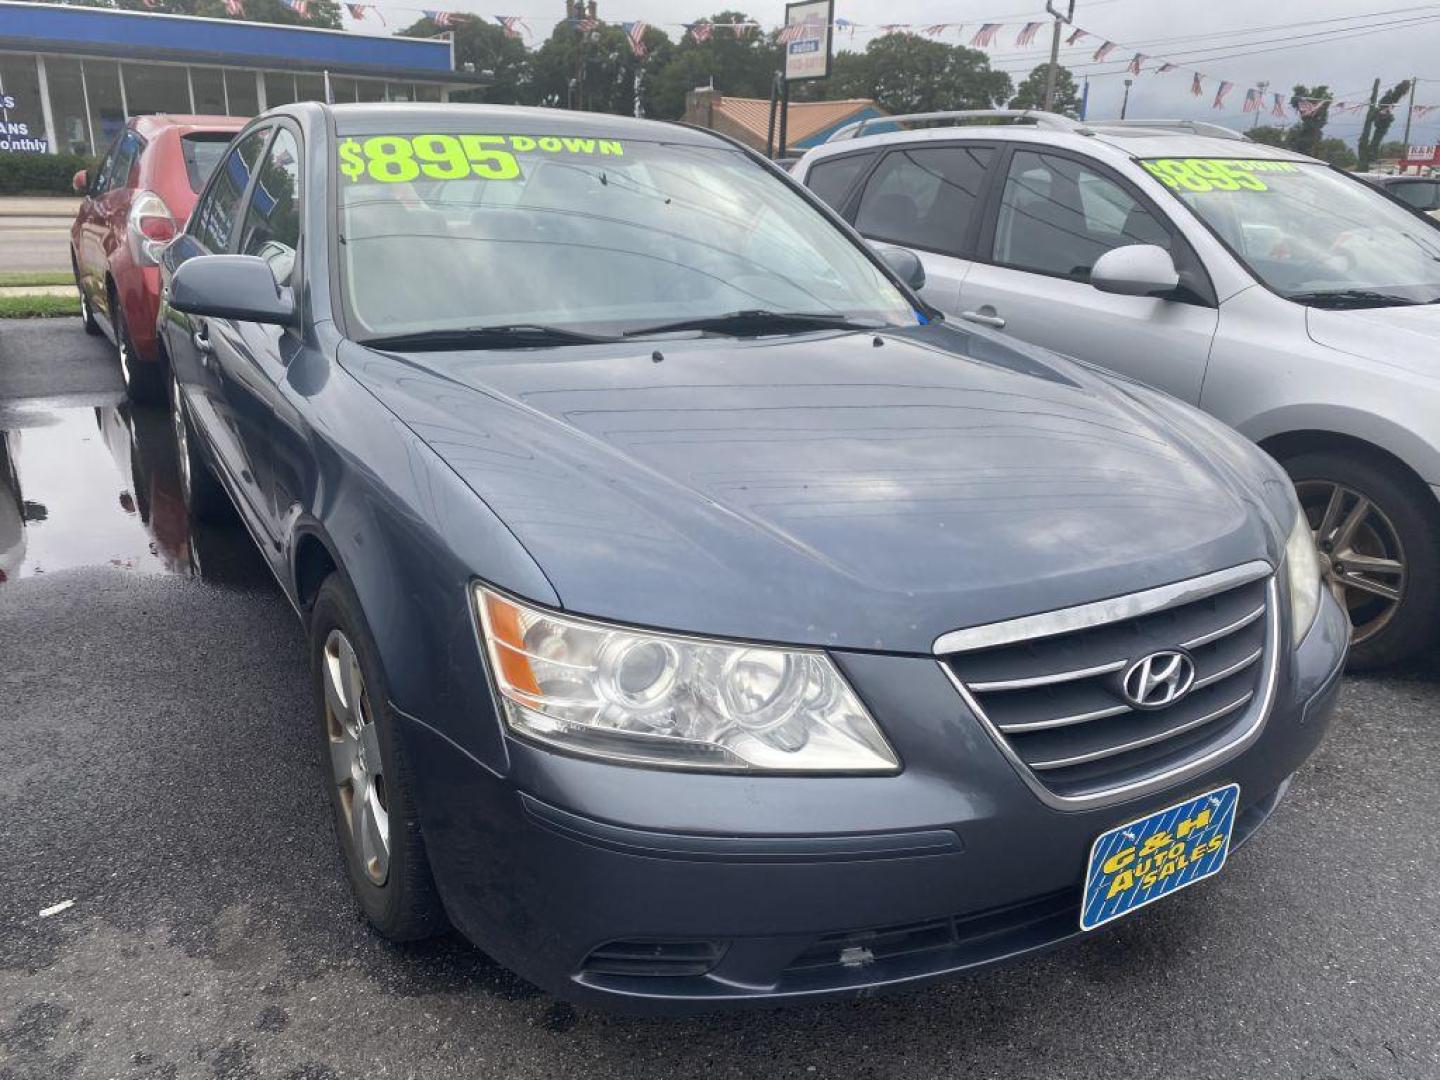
401	91
310	87
343	89
67	106
155	88
23	115
426	92
107	108
209	84
240	87
369	90
279	89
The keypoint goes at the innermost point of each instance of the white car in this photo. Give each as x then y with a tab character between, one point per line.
1290	300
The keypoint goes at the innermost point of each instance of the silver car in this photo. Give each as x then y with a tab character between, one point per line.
1293	302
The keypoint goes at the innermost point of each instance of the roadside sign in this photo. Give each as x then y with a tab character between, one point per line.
1421	155
806	37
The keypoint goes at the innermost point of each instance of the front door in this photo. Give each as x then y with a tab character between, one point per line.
926	198
1056	215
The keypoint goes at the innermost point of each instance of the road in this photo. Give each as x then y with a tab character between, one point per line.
158	777
35	233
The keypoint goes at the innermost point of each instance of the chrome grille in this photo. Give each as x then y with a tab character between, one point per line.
1053	698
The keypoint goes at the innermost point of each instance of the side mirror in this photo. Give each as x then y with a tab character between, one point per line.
904	262
81	182
1135	270
231	287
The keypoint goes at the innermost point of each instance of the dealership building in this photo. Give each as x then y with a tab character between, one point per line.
71	76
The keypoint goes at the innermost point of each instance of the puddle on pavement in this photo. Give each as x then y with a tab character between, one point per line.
100	486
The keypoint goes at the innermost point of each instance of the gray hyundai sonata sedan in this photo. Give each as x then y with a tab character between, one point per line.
695	617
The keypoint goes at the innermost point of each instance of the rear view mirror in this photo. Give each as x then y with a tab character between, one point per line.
231	287
1135	270
81	182
904	263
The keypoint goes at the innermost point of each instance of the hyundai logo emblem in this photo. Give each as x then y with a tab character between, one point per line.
1157	680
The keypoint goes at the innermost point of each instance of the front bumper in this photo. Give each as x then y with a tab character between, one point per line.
648	891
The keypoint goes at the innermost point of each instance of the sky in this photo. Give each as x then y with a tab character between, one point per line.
1342	43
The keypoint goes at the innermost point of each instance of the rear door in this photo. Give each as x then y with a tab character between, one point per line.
111	210
927	197
1051	217
89	257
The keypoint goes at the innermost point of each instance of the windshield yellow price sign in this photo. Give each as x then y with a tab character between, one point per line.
394	159
1215	174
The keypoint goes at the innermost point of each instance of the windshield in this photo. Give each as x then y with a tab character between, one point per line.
1309	233
600	236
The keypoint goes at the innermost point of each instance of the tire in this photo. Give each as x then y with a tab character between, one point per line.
144	382
87	310
1401	527
204	498
397	892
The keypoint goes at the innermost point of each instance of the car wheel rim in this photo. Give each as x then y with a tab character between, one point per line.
182	439
355	761
1361	554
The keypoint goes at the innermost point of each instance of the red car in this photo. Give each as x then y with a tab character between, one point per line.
137	199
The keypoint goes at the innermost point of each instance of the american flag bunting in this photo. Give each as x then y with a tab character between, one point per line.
985	36
1027	34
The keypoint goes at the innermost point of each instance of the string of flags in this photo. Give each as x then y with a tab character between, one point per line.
988	35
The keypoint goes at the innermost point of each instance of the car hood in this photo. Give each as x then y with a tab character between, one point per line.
1402	337
844	489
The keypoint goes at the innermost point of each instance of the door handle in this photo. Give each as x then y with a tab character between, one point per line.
202	341
984	320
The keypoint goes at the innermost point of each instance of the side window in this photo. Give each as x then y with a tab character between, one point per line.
924	197
1058	216
272	221
100	180
1421	194
832	179
213	222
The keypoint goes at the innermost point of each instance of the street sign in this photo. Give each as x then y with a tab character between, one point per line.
806	37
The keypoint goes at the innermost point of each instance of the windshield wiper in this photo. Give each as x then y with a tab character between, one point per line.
1350	298
485	337
759	321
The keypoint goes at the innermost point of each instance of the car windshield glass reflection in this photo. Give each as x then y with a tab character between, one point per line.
1309	233
586	234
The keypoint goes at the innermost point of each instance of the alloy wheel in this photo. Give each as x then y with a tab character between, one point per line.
1361	555
356	766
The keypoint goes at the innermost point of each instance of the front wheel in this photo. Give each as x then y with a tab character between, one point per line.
87	310
366	773
1379	544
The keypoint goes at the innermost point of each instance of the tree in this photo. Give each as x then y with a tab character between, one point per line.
1337	152
1392	148
736	63
1030	94
1377	122
489	48
907	73
596	70
1304	136
1267	134
321	13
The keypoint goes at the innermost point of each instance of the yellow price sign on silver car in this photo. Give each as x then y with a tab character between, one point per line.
395	159
1215	174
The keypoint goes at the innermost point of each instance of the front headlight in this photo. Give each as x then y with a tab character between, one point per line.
655	699
1303	577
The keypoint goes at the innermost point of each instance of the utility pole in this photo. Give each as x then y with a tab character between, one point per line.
1409	111
1125	102
1262	86
1051	71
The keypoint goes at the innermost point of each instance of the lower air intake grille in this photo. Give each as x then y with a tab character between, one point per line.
639	957
1059	692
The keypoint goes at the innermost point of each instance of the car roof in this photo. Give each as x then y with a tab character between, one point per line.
382	118
1129	142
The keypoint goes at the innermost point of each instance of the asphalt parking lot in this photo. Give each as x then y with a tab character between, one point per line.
174	906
